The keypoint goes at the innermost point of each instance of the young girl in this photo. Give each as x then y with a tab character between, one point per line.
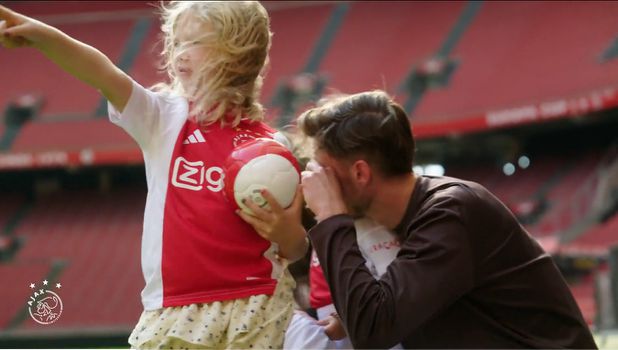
211	280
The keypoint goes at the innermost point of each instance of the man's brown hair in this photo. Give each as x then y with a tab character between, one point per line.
368	124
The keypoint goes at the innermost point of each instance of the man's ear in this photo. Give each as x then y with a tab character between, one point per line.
361	172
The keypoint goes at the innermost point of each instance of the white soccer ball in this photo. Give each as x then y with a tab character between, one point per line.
261	164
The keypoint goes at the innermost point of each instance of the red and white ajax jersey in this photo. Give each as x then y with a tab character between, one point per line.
195	248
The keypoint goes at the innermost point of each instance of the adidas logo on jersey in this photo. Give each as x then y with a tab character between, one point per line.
196	137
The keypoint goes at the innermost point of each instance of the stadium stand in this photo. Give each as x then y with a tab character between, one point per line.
94	23
72	135
562	213
529	181
146	70
596	241
526	52
10	204
292	42
550	181
68	11
353	64
2	132
16	277
64	96
98	236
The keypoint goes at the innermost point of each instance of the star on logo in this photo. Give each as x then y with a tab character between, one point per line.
58	285
32	285
45	282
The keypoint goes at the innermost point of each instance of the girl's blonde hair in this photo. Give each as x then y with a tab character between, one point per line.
231	76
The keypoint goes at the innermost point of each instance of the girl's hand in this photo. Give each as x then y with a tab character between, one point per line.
279	225
333	327
17	30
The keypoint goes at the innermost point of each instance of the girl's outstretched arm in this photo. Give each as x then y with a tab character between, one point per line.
78	59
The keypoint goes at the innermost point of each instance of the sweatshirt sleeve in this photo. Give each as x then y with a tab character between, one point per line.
433	269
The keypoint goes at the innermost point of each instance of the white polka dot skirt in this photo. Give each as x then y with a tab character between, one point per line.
257	322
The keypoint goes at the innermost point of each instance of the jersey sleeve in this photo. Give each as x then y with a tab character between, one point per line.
143	116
